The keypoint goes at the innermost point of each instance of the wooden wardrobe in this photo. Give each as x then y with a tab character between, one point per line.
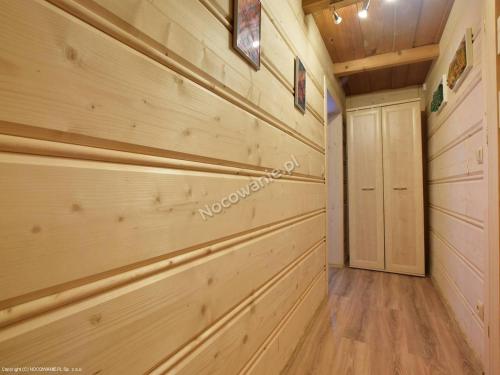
386	225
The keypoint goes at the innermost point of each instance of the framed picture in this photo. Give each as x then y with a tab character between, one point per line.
246	35
462	62
440	95
300	85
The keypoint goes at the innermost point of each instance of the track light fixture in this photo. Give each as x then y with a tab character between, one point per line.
336	18
363	13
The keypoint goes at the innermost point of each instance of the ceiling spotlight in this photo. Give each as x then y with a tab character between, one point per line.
363	13
336	18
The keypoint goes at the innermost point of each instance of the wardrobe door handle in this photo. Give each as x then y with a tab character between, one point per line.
368	188
400	188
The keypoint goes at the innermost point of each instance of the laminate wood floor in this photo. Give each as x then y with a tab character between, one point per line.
382	324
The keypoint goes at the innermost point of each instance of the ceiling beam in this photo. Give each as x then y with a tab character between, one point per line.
387	60
312	6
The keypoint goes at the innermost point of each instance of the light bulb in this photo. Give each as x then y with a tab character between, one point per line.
363	13
336	18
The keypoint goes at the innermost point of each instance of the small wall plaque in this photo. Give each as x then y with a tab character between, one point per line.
462	63
440	95
300	85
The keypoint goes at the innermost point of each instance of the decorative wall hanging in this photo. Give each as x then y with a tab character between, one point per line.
300	85
246	35
440	96
461	63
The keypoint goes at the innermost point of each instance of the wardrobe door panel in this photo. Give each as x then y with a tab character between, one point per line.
403	189
366	208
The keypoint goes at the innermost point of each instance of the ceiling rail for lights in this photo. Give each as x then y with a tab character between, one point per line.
336	17
363	12
313	6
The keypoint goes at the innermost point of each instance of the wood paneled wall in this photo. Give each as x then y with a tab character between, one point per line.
457	181
119	120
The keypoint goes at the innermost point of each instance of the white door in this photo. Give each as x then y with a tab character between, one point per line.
403	192
366	189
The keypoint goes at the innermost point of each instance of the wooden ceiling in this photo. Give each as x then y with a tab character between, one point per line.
391	26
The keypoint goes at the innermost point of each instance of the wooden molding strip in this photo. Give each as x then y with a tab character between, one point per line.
460	295
468	133
474	222
458	254
474	176
277	74
279	328
171	61
387	60
169	363
16	144
31	309
313	6
290	45
328	78
452	313
226	21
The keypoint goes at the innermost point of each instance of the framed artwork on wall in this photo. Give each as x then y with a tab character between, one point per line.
462	62
300	85
440	95
247	33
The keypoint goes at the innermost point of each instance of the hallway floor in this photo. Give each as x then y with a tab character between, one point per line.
382	324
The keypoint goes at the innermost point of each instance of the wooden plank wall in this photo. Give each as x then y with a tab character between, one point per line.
119	120
457	182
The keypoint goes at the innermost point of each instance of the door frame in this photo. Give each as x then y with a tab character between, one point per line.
491	77
339	110
334	182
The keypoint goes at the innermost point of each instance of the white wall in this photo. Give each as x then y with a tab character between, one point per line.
457	183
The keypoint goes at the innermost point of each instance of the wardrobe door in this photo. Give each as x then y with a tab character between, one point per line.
366	199
403	189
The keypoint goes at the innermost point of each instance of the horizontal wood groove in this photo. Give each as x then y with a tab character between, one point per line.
454	250
458	292
273	70
456	215
470	132
290	44
154	51
226	21
169	363
474	176
113	153
258	354
14	311
449	308
452	108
